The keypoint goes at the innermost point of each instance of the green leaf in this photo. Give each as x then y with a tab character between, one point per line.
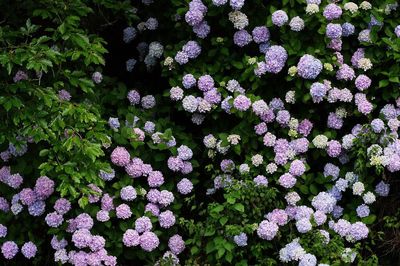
209	232
383	83
369	219
43	152
304	189
223	220
239	207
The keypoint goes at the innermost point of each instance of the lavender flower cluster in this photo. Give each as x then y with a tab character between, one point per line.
317	173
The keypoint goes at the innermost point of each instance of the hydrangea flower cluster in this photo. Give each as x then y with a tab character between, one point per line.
277	131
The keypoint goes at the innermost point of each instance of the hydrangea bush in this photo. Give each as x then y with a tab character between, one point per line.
202	132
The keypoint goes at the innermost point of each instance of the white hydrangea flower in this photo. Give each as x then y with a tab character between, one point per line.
290	98
221	149
352	7
358	188
312	9
365	64
244	168
341	112
271	168
293	123
257	160
210	141
365	5
369	197
238	19
292	198
351	177
320	141
234	139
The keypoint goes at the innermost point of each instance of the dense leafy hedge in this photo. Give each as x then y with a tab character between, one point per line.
197	132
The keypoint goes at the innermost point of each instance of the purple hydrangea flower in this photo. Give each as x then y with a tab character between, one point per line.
297	168
185	186
129	33
362	82
345	72
260	34
143	224
97	77
275	58
205	83
333	31
102	216
184	153
9	249
107	203
149	241
20	75
279	18
64	95
241	103
382	189
152	208
29	250
267	230
27	196
377	125
133	97
287	180
334	121
331	170
309	67
176	244
128	193
155	179
358	231
188	81
334	148
242	38
324	202
260	180
236	4
166	219
120	156
192	49
81	238
347	29
44	187
131	238
148	102
303	225
332	11
181	58
397	31
166	198
278	216
3	231
58	244
123	211
240	239
362	211
62	206
201	30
